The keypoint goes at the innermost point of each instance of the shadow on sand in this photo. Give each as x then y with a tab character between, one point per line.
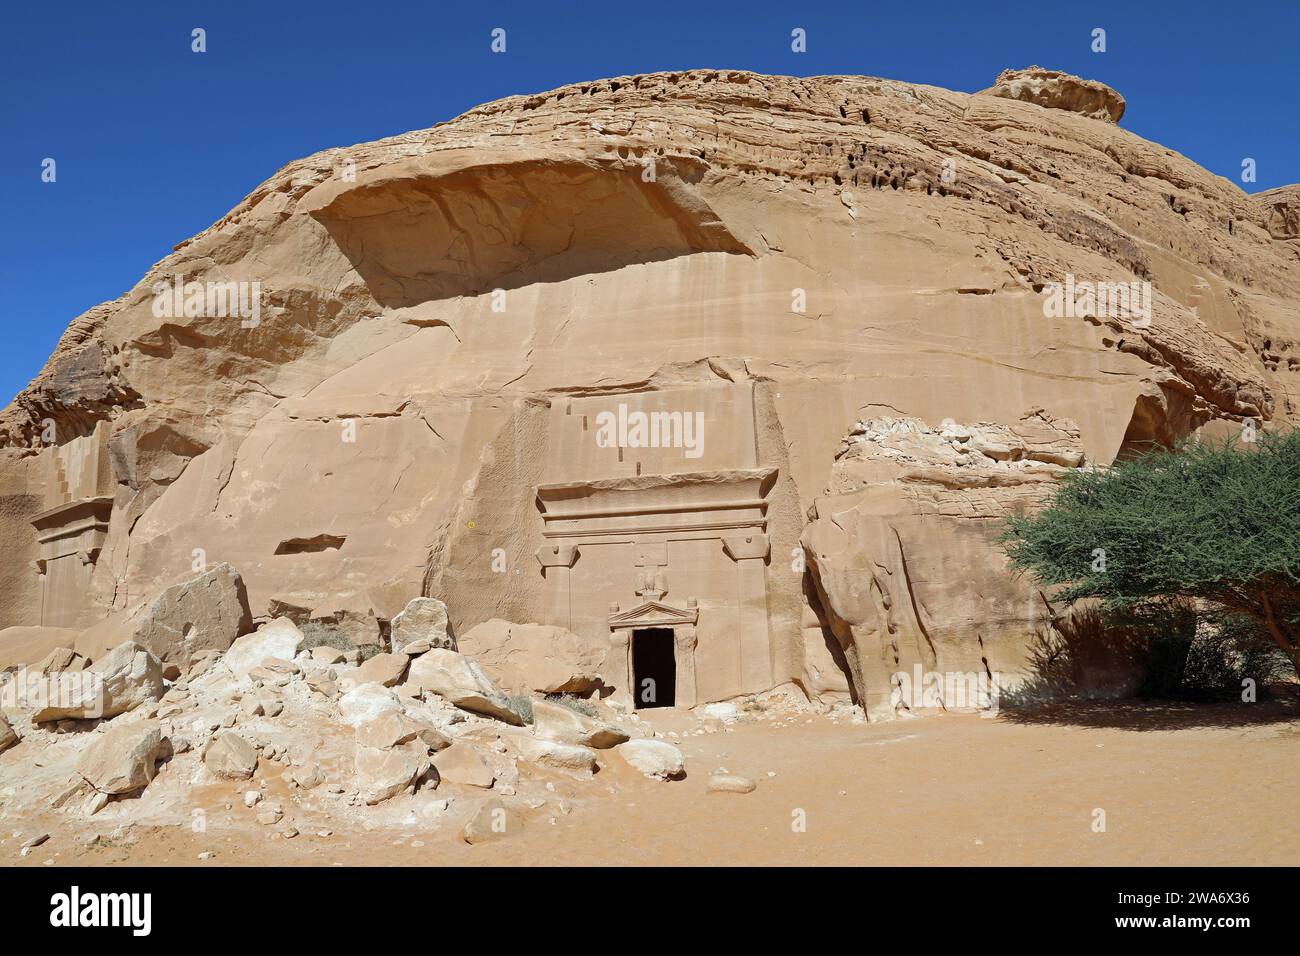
1283	708
1090	671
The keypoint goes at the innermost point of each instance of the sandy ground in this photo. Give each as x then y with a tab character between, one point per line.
1178	785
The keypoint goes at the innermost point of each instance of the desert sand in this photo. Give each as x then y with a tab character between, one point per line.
1180	785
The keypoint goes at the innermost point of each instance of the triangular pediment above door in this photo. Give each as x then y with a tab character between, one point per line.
654	614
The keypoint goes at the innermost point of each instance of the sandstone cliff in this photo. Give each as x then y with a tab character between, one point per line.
821	251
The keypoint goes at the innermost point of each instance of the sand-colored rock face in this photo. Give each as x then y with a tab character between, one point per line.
906	564
1281	210
456	331
1060	91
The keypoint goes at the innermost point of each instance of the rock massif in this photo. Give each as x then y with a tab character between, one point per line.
1056	90
443	317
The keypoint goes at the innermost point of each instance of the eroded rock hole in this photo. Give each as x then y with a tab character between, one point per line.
321	542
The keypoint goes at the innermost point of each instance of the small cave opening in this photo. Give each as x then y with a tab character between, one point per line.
321	542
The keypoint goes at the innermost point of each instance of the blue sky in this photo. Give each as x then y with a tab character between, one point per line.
154	143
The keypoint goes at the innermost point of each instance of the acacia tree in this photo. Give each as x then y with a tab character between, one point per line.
1214	521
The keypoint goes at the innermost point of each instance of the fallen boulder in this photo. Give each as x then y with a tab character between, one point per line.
324	654
198	613
276	639
460	680
392	728
461	763
323	682
230	757
725	711
422	626
654	758
365	702
536	657
386	669
129	676
61	659
205	612
307	776
550	753
557	722
7	736
21	646
123	758
382	774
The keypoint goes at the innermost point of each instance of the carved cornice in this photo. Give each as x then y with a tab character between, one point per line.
74	517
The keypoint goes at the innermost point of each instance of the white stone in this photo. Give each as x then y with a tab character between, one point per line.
552	721
277	639
459	679
365	702
730	783
654	758
124	679
550	753
725	712
122	759
422	626
382	774
230	757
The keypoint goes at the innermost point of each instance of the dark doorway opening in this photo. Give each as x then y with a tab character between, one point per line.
654	668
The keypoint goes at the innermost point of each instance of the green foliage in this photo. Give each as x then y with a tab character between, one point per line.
575	704
522	705
1206	516
1228	649
1218	522
316	634
1165	629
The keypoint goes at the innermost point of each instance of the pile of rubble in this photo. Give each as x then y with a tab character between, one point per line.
285	731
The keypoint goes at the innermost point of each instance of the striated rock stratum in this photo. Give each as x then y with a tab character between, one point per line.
734	375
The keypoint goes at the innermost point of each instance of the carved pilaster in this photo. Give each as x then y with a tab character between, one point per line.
620	657
746	547
557	562
749	550
686	641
